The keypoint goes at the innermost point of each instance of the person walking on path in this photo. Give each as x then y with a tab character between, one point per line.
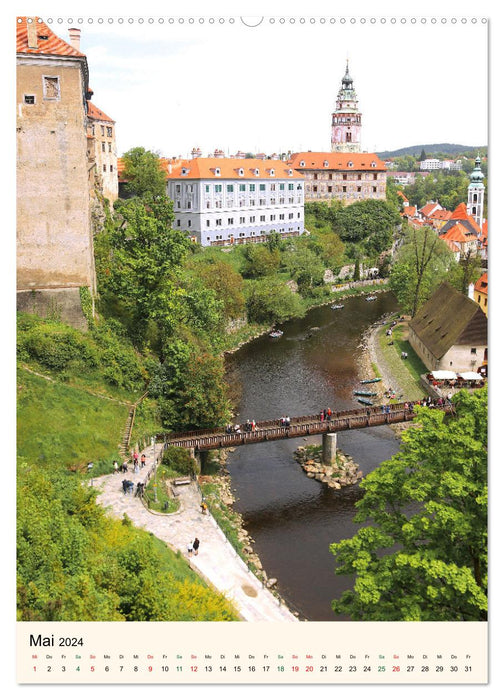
196	545
142	460
190	549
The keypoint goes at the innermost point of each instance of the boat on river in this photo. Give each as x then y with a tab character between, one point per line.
367	402
371	381
337	306
276	334
371	297
365	393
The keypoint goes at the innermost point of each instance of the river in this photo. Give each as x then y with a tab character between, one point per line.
291	518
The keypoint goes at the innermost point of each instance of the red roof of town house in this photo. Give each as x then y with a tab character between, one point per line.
336	161
441	214
482	284
428	208
95	113
461	214
409	211
458	232
230	168
402	195
47	42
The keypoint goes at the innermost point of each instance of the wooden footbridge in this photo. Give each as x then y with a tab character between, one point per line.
212	439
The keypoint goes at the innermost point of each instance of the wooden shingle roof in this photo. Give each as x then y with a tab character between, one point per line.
449	318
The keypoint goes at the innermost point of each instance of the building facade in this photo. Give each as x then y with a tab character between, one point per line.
54	239
227	201
450	332
347	177
103	151
346	119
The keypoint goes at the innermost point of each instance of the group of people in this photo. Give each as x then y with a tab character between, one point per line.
123	468
247	427
325	414
128	487
285	421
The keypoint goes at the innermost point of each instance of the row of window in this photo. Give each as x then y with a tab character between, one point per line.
345	176
350	164
343	188
241	172
241	203
262	219
241	187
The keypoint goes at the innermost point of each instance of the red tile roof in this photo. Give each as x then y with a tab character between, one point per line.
95	113
47	41
459	232
427	209
205	168
442	214
482	284
460	214
336	161
409	211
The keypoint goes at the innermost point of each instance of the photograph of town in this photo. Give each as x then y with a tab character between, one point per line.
252	308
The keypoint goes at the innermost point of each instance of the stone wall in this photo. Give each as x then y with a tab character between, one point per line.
61	304
54	240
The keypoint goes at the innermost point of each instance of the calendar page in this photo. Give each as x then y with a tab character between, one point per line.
252	347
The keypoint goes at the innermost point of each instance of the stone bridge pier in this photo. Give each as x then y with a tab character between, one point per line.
329	446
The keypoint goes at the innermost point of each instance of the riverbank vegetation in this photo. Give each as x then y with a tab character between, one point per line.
423	556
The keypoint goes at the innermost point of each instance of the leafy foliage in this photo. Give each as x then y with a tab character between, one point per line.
271	301
424	555
75	563
143	172
423	262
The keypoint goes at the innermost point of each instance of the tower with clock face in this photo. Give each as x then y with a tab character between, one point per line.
346	119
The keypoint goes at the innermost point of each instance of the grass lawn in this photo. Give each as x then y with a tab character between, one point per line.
407	371
159	486
60	424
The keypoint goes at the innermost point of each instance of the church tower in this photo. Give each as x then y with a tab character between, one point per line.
346	118
476	193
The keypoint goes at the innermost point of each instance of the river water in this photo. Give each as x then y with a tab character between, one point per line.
291	518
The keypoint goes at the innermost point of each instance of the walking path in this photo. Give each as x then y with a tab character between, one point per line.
216	562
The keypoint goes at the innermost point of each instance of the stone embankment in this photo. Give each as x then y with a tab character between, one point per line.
344	473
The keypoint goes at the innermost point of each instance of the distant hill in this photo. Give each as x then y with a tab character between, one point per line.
449	148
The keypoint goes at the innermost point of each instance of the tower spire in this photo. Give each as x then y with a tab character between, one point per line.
346	118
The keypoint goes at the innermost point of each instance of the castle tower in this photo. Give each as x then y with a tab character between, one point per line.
346	118
476	193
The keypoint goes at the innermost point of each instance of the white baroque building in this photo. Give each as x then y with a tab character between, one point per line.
226	201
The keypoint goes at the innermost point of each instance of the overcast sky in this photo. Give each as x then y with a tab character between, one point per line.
272	87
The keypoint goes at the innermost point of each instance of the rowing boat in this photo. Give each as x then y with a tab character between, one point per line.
371	381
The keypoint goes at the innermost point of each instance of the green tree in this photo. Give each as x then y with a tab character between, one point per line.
143	172
190	387
227	284
145	256
305	267
466	271
424	554
369	223
271	301
423	262
259	260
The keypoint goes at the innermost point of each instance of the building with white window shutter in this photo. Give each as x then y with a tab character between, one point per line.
227	201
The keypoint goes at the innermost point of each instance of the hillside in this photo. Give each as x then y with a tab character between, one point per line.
448	148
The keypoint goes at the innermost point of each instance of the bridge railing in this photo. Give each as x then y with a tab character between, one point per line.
274	422
347	420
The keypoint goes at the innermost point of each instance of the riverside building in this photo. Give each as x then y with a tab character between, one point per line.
227	201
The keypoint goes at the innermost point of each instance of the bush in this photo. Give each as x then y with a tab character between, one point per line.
179	460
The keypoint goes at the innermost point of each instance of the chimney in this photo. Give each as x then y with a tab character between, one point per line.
74	35
31	24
